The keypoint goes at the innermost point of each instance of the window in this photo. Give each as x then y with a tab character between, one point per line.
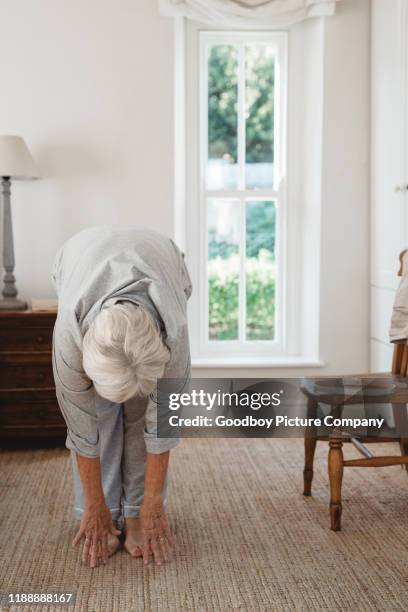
248	192
242	92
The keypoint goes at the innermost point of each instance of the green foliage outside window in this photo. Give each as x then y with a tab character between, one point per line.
223	265
260	298
223	103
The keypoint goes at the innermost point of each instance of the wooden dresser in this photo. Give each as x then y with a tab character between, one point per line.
28	405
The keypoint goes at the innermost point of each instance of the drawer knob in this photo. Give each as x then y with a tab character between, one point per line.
40	339
41	377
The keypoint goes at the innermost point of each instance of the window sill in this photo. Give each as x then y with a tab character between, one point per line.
257	362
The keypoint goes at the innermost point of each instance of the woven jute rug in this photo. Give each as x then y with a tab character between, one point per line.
246	539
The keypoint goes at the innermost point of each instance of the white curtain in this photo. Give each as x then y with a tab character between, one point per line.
244	13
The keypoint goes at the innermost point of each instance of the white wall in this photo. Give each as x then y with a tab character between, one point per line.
344	309
89	84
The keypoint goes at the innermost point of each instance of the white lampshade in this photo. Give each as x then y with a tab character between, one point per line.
16	161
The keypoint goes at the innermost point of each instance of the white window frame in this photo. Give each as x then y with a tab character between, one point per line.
252	349
301	196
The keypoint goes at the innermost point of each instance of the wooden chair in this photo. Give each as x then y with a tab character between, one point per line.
336	462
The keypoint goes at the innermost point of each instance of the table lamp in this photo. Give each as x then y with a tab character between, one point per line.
15	163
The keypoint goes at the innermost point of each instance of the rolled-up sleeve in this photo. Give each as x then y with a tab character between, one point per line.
183	270
154	444
187	284
179	369
76	398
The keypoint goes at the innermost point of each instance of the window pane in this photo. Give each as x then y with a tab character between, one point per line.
223	269
259	90
222	163
260	270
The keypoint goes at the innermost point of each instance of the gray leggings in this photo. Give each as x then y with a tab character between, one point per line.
122	453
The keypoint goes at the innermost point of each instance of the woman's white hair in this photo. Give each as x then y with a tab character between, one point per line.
123	352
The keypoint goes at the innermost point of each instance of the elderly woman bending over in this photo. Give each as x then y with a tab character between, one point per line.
121	325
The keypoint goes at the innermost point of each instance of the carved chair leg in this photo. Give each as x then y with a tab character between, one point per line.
401	424
335	478
310	447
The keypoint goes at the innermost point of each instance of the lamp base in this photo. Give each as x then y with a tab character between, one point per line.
12	304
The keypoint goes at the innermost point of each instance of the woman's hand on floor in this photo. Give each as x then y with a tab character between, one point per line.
96	525
156	533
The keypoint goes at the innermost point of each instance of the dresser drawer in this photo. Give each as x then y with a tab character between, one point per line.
30	413
36	415
25	339
26	376
28	405
26	318
27	396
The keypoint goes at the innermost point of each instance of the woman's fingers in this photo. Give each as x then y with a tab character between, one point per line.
164	547
94	550
157	539
146	550
104	548
78	537
85	550
168	534
156	551
162	539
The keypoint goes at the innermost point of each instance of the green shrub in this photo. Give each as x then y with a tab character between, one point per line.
223	278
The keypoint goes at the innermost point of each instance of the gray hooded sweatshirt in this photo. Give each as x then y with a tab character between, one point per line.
94	269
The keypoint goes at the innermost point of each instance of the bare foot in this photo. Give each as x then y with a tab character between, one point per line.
133	541
113	544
